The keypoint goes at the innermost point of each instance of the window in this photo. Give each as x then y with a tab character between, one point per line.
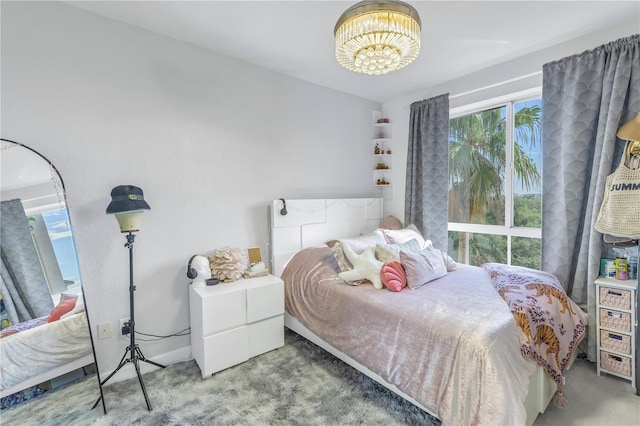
495	181
59	232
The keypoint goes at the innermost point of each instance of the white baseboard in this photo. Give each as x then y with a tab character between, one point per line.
129	372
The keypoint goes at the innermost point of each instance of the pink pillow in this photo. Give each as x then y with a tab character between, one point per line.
393	275
62	308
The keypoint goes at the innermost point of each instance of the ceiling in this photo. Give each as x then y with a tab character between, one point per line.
296	37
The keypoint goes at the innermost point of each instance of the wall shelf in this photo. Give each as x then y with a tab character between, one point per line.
382	138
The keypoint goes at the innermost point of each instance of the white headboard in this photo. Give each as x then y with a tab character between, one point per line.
312	222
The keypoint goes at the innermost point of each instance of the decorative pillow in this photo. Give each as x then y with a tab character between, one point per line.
365	266
423	266
68	295
62	308
389	252
361	242
79	307
448	261
393	276
338	254
390	222
399	236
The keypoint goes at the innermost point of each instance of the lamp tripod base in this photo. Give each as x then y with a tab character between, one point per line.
135	358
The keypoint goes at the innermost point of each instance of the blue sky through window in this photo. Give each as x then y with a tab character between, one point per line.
59	229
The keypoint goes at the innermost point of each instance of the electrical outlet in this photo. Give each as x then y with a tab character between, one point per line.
124	327
104	331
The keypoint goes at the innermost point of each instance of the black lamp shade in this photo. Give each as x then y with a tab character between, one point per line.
127	198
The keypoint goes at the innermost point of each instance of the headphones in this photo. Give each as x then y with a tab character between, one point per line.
283	212
191	272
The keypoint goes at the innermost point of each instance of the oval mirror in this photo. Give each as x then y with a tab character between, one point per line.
45	337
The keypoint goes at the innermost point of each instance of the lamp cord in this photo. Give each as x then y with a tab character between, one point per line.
184	332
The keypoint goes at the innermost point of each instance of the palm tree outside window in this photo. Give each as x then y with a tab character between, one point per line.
495	169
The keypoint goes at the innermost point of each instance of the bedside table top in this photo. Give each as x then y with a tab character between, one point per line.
612	282
241	284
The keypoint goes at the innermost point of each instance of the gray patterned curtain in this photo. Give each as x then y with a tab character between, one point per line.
24	289
585	97
426	195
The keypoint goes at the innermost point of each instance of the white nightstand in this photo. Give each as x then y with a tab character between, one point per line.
232	322
615	333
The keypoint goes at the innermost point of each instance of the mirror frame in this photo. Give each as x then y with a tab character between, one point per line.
73	241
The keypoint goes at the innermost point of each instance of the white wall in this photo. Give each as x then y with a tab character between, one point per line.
518	75
209	139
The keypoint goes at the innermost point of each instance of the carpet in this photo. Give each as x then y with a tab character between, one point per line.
298	384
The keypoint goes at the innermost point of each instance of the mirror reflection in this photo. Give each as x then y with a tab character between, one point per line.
45	339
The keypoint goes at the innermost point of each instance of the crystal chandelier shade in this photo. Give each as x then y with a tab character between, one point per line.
375	37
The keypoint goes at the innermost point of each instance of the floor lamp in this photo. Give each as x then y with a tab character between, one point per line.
128	204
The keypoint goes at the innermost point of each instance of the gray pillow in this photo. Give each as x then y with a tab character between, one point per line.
423	266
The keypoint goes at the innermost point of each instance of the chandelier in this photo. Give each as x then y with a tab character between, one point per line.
375	37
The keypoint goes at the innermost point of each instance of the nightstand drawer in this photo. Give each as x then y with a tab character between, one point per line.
224	350
615	298
223	311
615	363
615	320
615	342
265	301
266	335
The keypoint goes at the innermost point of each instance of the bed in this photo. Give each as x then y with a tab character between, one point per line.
451	347
37	351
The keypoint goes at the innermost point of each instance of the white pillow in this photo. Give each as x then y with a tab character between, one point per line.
399	236
389	252
448	260
361	242
423	266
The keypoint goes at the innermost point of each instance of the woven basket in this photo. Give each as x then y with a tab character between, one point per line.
615	320
620	343
615	298
615	363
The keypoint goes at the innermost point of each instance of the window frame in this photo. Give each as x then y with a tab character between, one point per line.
507	229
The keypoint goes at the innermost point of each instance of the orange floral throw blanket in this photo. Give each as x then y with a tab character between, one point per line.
550	324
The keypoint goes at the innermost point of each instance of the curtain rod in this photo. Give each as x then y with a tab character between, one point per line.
490	86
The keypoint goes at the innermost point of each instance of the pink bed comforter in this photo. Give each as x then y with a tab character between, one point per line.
452	344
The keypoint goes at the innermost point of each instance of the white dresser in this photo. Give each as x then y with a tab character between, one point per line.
232	322
616	325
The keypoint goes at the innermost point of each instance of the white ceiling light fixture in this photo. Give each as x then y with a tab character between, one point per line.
375	37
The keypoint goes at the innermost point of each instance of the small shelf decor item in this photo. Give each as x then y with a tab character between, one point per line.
381	144
228	263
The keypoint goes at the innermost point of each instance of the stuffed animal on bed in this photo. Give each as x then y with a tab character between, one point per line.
365	266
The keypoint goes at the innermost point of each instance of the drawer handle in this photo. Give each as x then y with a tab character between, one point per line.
615	293
615	358
615	336
614	314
